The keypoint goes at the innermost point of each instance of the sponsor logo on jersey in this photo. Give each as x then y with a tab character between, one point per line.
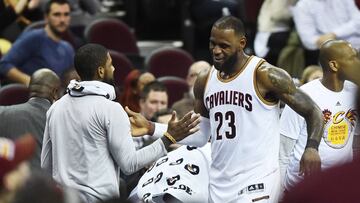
338	127
260	187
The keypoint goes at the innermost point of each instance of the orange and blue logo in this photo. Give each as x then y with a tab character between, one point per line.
338	127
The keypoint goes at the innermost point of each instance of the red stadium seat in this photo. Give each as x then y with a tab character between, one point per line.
169	62
14	94
176	87
112	34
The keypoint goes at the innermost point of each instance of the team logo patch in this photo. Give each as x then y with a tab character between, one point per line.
338	127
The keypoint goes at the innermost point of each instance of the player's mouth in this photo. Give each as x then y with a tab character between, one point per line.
218	60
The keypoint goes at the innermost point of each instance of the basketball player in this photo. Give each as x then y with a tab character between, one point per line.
335	97
238	100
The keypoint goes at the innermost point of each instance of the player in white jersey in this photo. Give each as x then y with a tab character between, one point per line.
239	104
335	97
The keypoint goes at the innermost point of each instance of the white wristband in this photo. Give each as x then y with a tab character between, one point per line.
160	129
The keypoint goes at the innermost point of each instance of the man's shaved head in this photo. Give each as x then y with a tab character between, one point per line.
340	56
44	83
332	50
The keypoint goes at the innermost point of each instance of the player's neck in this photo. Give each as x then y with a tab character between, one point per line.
238	67
333	83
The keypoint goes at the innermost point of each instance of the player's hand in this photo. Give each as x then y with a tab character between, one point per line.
185	126
310	162
139	124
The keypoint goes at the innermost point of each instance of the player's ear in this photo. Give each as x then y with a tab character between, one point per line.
334	66
242	42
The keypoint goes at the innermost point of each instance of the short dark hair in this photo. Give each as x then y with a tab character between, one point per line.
88	58
48	4
231	22
154	86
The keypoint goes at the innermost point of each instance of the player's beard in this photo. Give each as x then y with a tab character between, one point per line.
109	81
229	64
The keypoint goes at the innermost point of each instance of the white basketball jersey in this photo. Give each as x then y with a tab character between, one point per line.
244	132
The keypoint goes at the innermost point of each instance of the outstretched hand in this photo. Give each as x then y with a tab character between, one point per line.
185	126
310	162
139	124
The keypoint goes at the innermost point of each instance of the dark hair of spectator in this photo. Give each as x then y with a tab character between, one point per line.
48	4
154	86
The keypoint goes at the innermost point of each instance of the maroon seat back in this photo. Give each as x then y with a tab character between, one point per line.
112	34
176	87
13	94
169	62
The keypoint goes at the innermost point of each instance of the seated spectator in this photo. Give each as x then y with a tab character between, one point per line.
321	20
84	11
14	168
41	47
186	104
10	10
144	79
130	95
274	26
162	116
310	73
133	85
153	98
31	116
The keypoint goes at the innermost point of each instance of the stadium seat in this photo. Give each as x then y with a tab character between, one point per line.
112	34
169	61
176	87
13	94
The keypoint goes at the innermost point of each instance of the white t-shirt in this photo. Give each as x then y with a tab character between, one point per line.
340	120
183	173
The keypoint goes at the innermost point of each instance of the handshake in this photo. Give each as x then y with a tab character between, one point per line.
176	130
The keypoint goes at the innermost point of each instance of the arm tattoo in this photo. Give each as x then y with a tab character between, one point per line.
300	102
281	81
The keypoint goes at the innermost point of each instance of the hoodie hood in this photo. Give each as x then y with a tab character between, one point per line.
84	88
